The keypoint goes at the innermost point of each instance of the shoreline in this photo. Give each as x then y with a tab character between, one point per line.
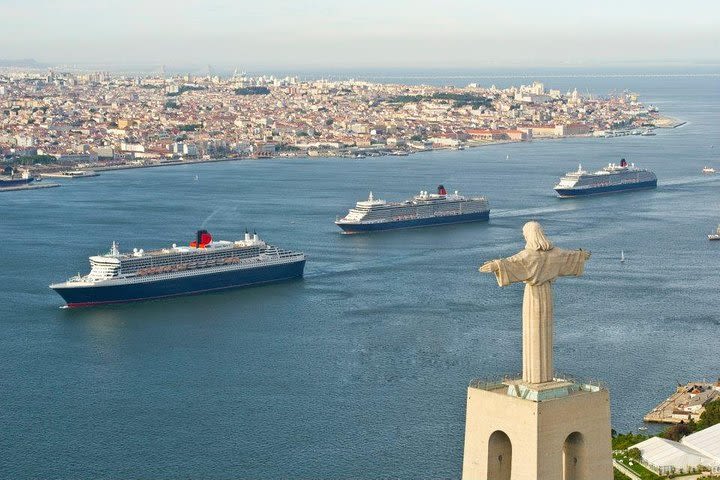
109	168
360	154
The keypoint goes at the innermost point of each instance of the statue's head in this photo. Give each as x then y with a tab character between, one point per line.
535	237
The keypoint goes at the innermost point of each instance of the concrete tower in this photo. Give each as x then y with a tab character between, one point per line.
538	427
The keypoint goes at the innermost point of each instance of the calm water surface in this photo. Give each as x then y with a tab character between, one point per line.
359	370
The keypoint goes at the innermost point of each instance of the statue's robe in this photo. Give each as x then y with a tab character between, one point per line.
538	269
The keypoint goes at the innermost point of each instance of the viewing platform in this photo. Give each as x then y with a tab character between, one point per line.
561	386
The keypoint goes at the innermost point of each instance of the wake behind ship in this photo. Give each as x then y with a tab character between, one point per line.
422	210
204	266
611	179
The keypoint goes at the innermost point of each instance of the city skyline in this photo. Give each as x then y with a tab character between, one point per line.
372	34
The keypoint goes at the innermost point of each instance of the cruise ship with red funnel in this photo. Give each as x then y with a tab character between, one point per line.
204	265
612	179
423	210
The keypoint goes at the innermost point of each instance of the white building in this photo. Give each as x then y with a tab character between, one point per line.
190	149
131	147
699	449
24	141
706	442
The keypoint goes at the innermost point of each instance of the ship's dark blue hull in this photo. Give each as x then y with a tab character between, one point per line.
98	295
582	192
421	222
15	182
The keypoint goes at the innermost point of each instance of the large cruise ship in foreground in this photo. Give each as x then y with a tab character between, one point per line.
422	210
613	178
204	266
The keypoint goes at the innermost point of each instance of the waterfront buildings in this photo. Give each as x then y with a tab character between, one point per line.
120	119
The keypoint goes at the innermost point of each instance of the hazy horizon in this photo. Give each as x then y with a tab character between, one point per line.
327	34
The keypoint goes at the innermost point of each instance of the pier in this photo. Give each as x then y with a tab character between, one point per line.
688	402
32	186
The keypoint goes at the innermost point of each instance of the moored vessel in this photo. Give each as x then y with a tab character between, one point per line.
14	180
203	266
611	179
708	170
716	235
424	209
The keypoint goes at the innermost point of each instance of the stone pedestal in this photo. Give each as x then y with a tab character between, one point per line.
558	430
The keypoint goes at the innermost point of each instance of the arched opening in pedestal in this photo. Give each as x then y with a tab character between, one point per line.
574	458
499	456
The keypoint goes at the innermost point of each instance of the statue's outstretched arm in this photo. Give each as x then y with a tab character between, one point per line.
489	267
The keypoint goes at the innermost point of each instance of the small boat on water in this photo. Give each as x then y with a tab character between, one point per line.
622	256
708	170
716	235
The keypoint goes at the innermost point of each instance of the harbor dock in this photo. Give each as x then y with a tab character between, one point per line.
688	402
32	186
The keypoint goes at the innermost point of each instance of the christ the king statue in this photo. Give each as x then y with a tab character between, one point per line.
538	265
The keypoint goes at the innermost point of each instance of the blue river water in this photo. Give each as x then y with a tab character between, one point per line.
360	369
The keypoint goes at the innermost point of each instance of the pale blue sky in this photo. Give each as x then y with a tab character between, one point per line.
369	33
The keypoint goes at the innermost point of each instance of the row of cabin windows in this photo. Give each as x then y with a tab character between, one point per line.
614	179
187	258
409	205
434	209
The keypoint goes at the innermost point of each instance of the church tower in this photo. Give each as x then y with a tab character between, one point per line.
538	427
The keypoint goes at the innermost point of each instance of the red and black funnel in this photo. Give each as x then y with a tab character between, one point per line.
441	190
202	239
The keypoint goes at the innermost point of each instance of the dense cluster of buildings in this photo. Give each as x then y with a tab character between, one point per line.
101	118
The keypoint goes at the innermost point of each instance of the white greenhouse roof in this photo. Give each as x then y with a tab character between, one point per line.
706	442
666	453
